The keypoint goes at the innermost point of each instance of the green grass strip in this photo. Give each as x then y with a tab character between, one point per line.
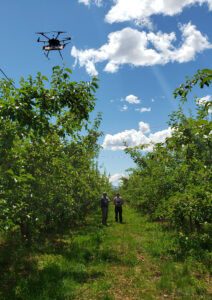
133	260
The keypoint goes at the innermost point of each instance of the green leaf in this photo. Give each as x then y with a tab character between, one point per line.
95	85
10	172
68	70
56	68
208	71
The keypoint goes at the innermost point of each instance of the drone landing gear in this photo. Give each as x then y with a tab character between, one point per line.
47	55
60	54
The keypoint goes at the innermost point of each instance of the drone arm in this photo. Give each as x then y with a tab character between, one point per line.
39	41
45	36
66	39
66	43
59	32
61	55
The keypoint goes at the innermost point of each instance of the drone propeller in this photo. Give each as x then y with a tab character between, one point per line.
65	39
59	31
43	34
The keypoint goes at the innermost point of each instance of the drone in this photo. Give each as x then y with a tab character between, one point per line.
53	42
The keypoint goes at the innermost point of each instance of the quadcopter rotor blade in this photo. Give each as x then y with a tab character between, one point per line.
59	31
43	34
66	39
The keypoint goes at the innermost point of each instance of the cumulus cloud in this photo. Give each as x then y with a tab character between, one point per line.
139	48
204	100
160	136
143	109
115	179
132	99
135	137
144	127
140	11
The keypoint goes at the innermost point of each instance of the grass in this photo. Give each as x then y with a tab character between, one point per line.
133	260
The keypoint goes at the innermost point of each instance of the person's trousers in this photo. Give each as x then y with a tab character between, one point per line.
104	215
118	213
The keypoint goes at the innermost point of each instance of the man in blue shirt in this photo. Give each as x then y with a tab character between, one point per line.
118	202
104	206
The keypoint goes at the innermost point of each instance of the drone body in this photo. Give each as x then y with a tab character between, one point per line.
53	42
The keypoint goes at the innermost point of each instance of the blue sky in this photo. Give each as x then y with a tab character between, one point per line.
141	50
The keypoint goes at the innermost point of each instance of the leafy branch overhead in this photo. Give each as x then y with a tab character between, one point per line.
33	105
203	77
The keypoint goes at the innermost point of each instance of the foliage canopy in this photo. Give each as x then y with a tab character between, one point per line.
173	182
48	176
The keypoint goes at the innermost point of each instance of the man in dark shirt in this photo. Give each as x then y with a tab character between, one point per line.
118	202
104	206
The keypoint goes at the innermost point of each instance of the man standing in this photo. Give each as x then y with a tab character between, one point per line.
104	206
118	202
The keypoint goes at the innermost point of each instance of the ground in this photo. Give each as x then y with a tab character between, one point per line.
133	260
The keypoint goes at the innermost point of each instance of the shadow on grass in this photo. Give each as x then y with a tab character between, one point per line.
15	263
54	267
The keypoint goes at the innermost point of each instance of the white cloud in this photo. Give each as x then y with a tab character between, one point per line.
115	179
141	10
204	100
160	136
88	2
193	42
135	137
144	127
138	48
143	109
132	99
124	107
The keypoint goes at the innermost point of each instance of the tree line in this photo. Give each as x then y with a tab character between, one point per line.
49	179
172	183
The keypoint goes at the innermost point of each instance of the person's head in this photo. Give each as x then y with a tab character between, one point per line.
117	194
105	194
